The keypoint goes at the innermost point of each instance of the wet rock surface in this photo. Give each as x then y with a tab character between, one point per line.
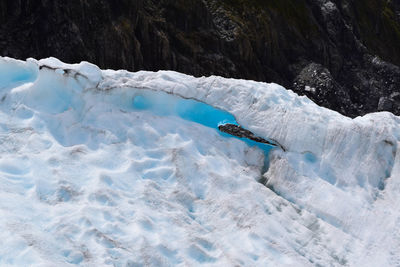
343	54
240	132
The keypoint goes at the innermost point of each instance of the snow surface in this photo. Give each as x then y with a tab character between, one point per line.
102	167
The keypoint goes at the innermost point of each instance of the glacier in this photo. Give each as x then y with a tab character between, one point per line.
103	167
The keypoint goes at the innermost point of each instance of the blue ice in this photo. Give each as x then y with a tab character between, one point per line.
14	73
164	104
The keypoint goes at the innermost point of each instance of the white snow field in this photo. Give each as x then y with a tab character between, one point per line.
102	167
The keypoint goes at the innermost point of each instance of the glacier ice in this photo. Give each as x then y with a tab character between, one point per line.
103	167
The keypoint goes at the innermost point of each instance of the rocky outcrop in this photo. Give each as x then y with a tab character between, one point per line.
240	132
342	54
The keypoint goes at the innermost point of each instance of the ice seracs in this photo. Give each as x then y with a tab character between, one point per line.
103	167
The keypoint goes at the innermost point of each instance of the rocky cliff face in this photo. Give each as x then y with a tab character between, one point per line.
342	54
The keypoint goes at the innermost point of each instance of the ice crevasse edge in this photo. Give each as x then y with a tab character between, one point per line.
330	158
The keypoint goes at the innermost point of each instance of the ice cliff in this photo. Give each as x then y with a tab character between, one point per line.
102	167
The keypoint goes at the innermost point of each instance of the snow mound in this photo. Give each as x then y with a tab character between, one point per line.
102	167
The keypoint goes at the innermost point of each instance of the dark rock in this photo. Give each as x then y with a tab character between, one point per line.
385	103
318	84
353	46
240	132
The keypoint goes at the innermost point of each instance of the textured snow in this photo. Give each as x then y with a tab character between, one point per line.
102	167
